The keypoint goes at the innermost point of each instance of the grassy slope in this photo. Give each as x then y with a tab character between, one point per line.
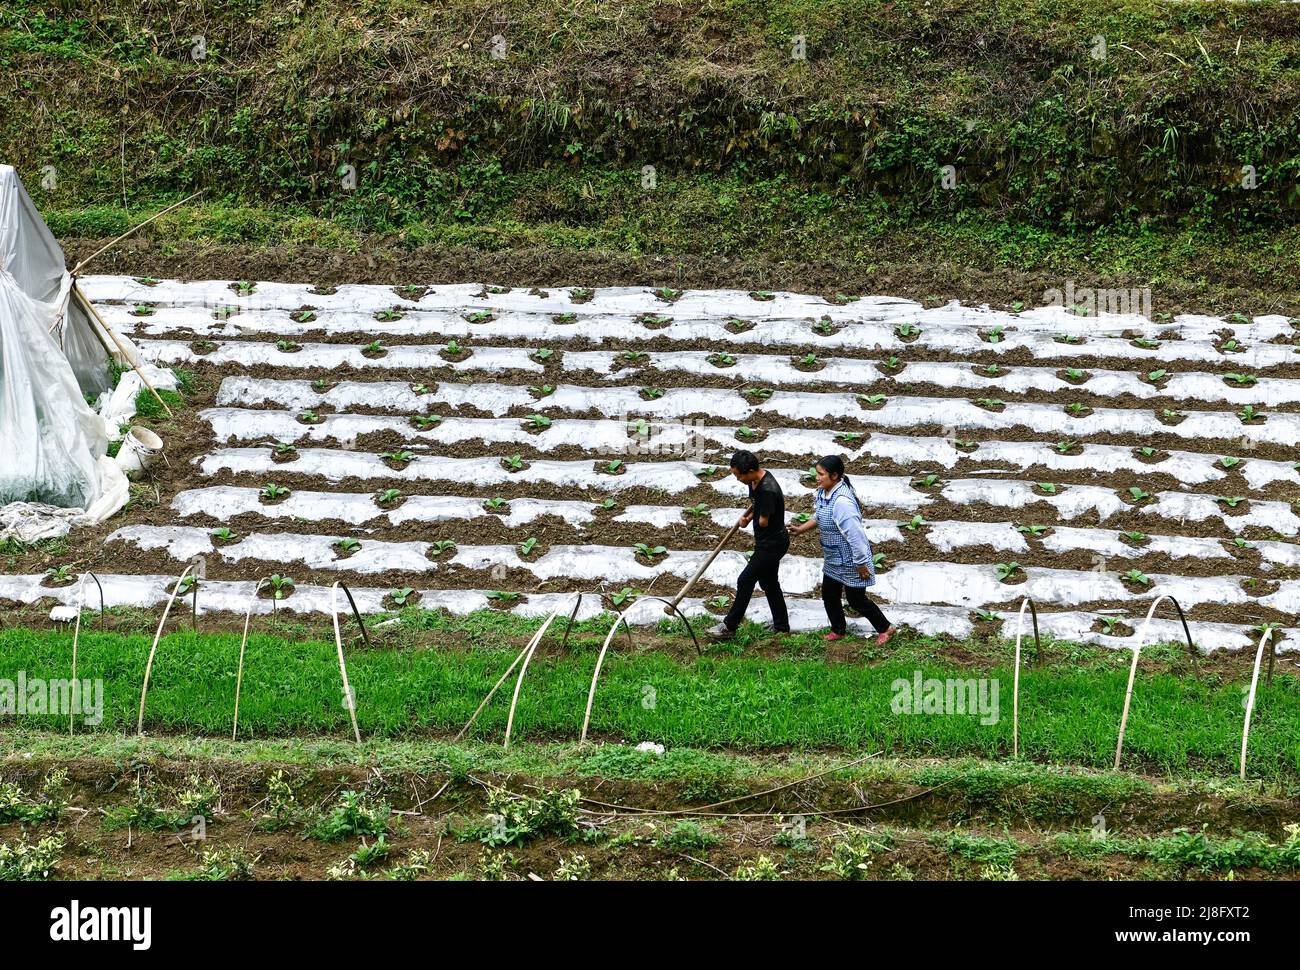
830	163
291	686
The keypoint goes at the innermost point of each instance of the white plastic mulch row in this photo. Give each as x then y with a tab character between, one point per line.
1192	468
759	368
615	438
674	477
215	596
352	307
925	583
226	502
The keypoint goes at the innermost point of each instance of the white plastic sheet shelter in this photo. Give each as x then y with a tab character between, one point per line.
52	444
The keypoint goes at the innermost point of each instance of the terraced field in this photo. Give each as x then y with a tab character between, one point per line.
490	446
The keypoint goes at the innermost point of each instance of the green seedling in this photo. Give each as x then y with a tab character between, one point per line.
824	327
608	505
848	437
890	363
668	294
399	457
514	463
991	370
613	465
1227	461
1017	307
302	316
720	602
1068	338
286	448
1134	536
872	399
244	287
1007	569
1231	501
648	551
722	360
374	347
1147	452
1074	374
1249	413
989	402
346	544
319	385
1110	622
653	393
545	390
544	354
763	295
1063	447
310	417
1138	494
224	312
186	584
1230	346
388	495
1033	530
1146	343
565	318
927	481
495	502
906	331
1156	376
272	490
1241	543
388	316
802	517
1047	488
986	616
625	595
1137	577
1241	380
581	294
640	427
877	560
699	510
706	472
401	596
744	431
224	534
634	356
994	334
527	546
421	389
538	422
144	310
453	348
480	316
912	524
758	393
281	586
61	574
425	421
1076	408
501	596
439	546
810	474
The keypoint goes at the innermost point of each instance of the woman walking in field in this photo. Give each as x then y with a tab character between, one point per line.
848	569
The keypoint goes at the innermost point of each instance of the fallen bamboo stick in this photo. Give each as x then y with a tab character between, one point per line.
85	301
76	270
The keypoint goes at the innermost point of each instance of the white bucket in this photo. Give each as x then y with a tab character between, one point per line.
139	448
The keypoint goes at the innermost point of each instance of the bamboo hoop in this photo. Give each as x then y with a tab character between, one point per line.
343	668
144	688
532	648
1132	672
1015	688
239	676
1267	638
600	660
76	632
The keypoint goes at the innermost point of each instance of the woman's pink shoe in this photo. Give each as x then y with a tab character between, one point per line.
885	637
833	636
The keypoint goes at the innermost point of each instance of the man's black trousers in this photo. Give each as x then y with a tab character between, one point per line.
762	569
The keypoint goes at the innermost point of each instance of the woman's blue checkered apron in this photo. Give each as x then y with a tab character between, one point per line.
836	551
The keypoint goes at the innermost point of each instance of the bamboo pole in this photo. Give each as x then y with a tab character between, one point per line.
76	270
690	583
85	301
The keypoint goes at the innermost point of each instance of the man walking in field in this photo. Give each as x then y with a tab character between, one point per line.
771	542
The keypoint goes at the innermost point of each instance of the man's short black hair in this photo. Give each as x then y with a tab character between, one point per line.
744	462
